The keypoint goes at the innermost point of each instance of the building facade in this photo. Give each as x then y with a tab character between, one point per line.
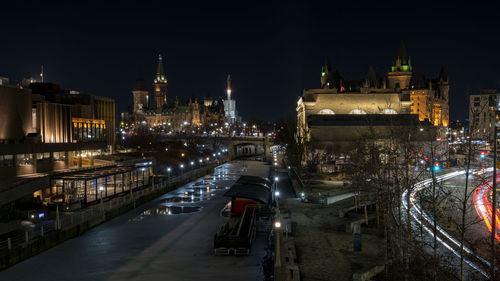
170	116
343	111
482	107
44	129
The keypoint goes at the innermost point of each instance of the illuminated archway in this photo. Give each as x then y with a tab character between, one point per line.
389	111
326	111
357	111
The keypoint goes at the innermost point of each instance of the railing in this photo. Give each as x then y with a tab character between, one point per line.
92	213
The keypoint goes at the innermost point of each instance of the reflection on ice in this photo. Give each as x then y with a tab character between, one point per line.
171	210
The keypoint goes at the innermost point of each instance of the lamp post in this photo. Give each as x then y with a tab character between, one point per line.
276	192
101	189
168	171
182	169
494	205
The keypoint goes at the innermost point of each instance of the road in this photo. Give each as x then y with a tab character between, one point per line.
154	241
477	265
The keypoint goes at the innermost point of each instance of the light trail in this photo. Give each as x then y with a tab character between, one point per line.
484	207
416	211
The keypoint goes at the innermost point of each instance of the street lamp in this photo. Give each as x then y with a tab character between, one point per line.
101	189
277	224
169	170
182	169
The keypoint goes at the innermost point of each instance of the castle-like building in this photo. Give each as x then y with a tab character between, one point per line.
342	110
428	97
170	115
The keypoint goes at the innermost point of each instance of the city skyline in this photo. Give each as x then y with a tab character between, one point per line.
270	55
258	140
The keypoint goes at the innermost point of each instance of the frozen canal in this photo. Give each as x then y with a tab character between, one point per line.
169	238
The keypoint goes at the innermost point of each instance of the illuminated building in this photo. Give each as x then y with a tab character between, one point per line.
170	116
430	98
343	111
45	130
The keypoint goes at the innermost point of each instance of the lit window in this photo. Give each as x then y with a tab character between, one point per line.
389	111
357	111
326	112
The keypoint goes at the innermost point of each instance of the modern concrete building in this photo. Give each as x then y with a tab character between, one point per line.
482	107
43	131
95	116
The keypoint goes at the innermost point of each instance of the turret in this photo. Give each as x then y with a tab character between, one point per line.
443	84
325	74
401	70
140	93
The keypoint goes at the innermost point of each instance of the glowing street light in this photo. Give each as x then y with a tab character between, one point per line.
169	170
101	189
277	224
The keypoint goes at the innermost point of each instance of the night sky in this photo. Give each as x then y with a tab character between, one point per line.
272	50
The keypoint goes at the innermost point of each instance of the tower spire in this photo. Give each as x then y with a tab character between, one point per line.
160	83
159	70
442	74
228	89
402	54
